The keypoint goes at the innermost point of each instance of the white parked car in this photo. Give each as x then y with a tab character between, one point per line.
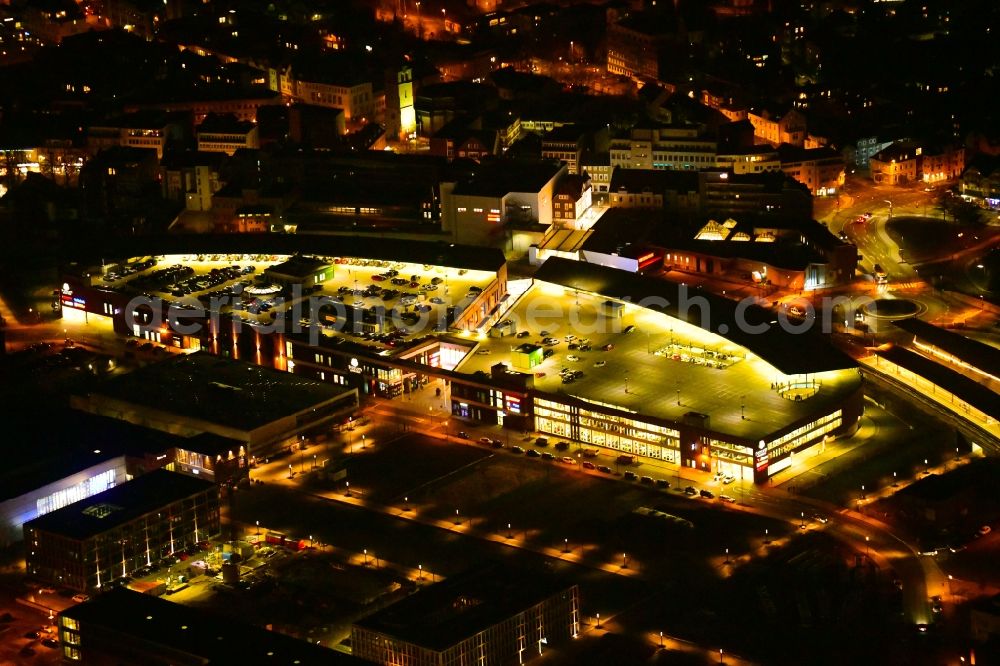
572	357
600	364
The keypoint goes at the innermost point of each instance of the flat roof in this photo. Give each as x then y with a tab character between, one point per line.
791	353
954	382
71	441
435	253
120	505
240	395
558	239
444	614
215	638
977	354
298	266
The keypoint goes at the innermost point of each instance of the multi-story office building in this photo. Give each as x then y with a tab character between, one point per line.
663	147
86	545
819	169
491	616
635	46
909	161
226	134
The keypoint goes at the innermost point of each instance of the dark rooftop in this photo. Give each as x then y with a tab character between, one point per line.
299	267
120	505
444	614
435	253
72	441
215	123
969	390
791	353
501	177
977	354
215	639
201	386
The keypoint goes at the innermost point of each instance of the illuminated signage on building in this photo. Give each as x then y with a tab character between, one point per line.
760	457
354	366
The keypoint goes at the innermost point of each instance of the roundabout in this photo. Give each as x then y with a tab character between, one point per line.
893	308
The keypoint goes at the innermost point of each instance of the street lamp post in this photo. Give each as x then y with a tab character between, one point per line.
457	519
290	472
661	640
727	556
624	560
802	520
406	504
420	572
565	545
510	535
598	620
347	484
366	557
867	548
258	527
767	539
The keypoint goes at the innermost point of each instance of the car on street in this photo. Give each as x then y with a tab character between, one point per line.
690	490
573	358
522	334
463	435
80	598
483	352
588	465
629	329
727	479
568	460
727	499
707	494
516	449
542	442
662	483
485	440
590	453
604	469
32	635
820	518
50	643
533	453
646	479
562	446
600	364
548	456
607	347
630	476
496	444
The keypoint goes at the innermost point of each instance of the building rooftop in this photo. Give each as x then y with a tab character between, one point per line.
969	390
639	180
224	123
977	354
243	396
501	177
435	253
207	637
119	505
298	267
69	442
444	614
792	354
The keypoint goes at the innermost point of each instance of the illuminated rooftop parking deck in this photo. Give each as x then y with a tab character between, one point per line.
663	359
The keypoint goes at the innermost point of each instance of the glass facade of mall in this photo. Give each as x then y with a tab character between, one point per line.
614	431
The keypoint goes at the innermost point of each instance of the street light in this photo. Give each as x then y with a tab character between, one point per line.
624	560
661	640
598	620
406	504
565	545
867	548
258	528
290	472
802	521
457	520
348	485
420	570
727	556
366	557
767	539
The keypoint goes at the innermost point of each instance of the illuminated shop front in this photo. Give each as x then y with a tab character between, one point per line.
608	429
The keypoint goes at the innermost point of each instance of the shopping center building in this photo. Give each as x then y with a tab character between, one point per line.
686	378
